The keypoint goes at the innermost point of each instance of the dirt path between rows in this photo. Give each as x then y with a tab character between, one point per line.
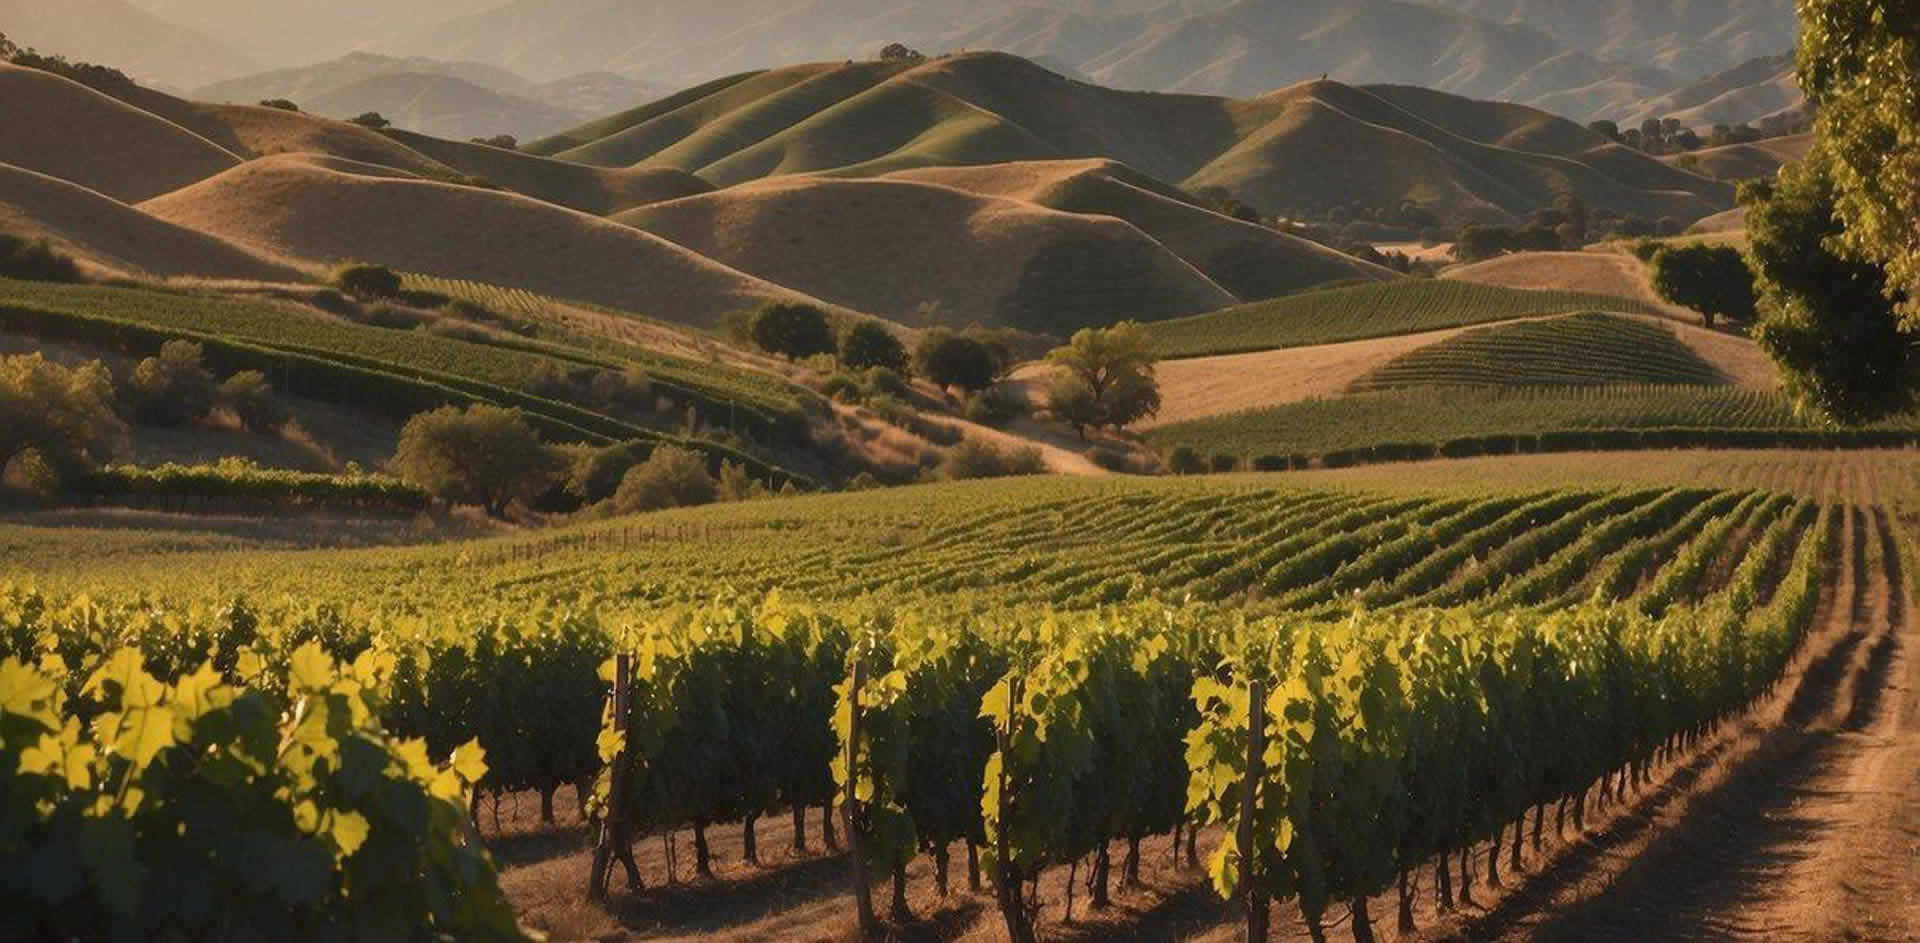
1806	825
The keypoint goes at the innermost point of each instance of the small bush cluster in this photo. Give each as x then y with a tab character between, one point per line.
35	261
972	458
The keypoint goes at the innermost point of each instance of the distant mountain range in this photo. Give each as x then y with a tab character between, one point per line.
1516	50
445	99
1583	59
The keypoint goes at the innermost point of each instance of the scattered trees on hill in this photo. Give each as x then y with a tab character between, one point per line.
1477	243
368	282
793	330
1105	378
86	73
505	142
64	415
1713	280
867	344
372	120
901	52
482	455
35	260
952	361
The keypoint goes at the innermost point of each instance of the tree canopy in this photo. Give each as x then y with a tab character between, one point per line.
953	360
482	455
1115	365
867	344
1824	318
792	330
1859	63
1713	280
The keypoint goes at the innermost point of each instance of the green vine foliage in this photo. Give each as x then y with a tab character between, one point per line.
201	810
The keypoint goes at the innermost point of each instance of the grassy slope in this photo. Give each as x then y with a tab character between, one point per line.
1577	350
1356	313
979	258
595	190
328	211
1253	262
64	129
117	237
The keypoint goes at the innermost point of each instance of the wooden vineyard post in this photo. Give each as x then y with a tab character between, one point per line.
615	838
862	898
1256	899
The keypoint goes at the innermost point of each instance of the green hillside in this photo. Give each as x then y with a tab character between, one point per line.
1365	311
1579	350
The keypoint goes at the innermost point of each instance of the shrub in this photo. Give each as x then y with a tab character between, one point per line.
735	484
1111	459
997	406
249	397
1186	460
172	387
373	121
505	142
868	344
35	261
28	472
843	388
281	104
1272	463
63	413
792	330
596	473
886	380
1223	464
481	455
670	477
973	458
1340	458
368	282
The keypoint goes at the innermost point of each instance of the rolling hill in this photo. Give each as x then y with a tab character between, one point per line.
1251	261
116	237
327	210
1309	147
1746	161
899	249
67	130
1576	350
1762	91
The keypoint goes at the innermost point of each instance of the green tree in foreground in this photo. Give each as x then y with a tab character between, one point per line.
482	455
1860	66
1115	365
867	344
1713	280
952	360
1825	319
792	330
